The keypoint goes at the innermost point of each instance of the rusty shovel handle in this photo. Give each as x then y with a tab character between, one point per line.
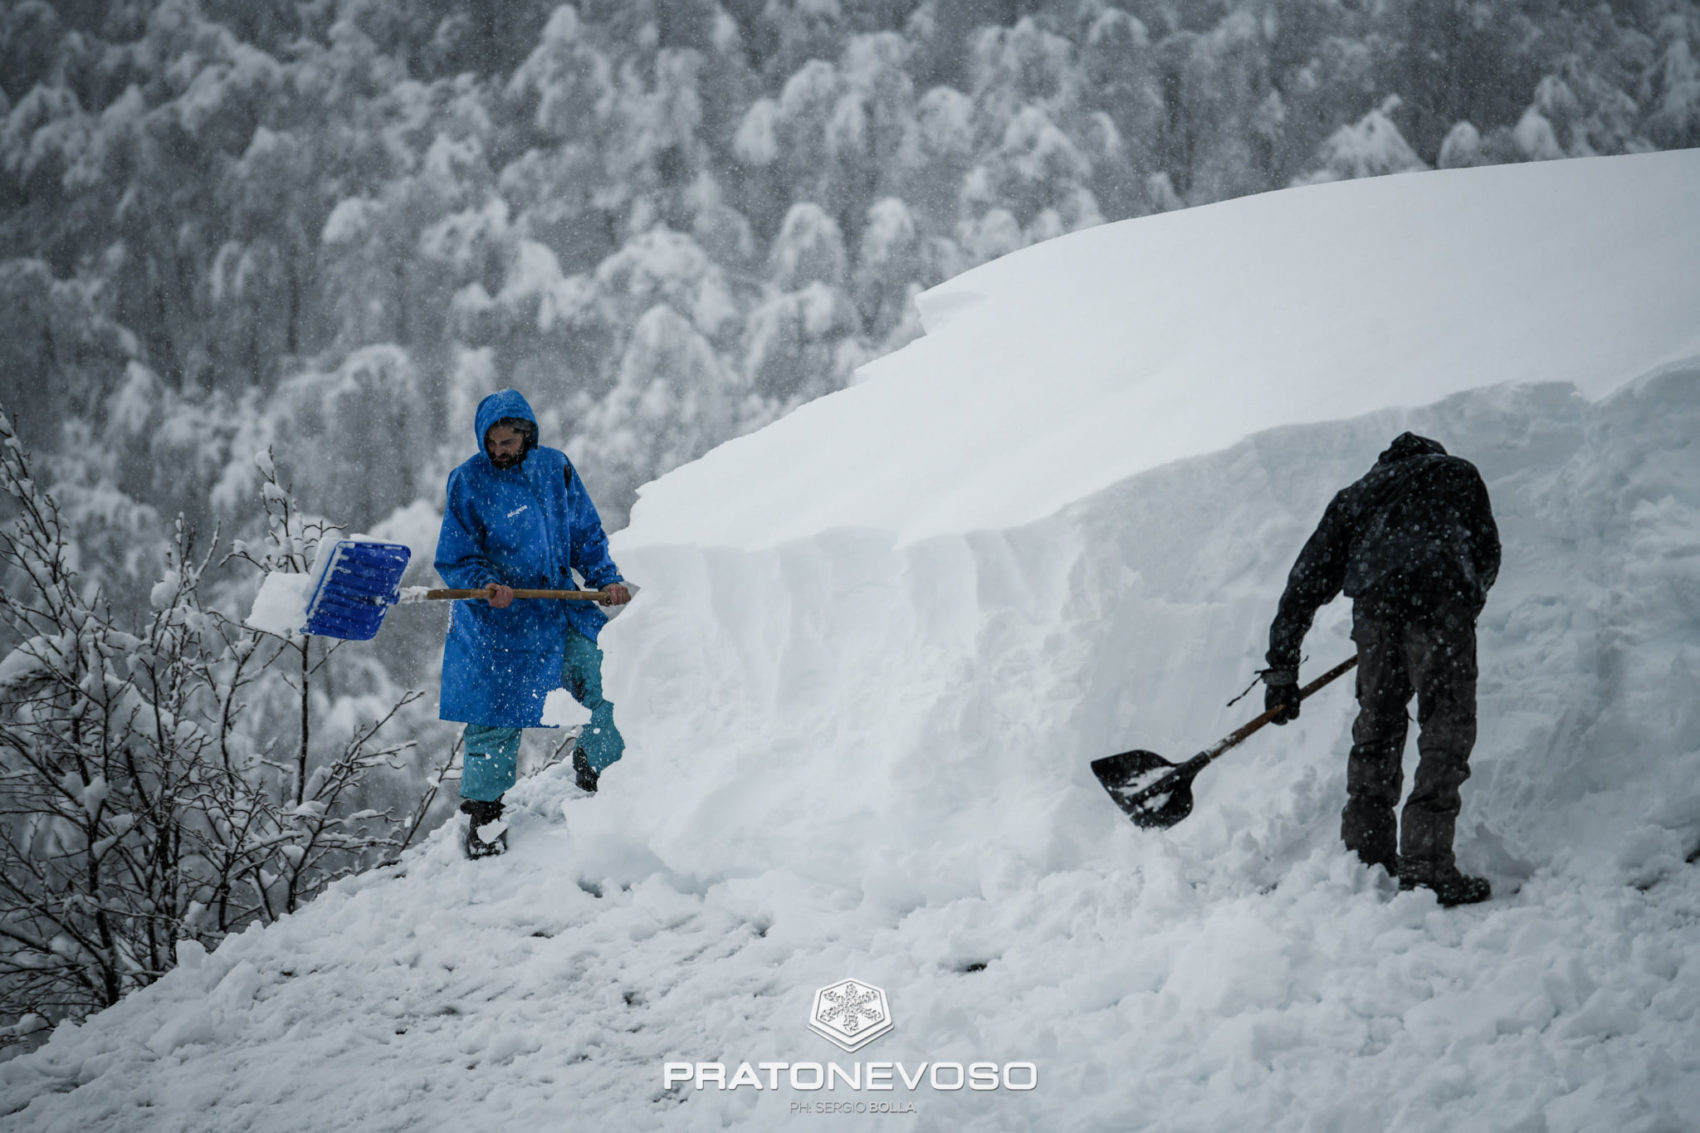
1239	734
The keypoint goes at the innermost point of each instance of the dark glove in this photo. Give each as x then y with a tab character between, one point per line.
1282	692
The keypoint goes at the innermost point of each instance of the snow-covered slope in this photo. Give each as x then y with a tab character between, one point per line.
879	642
1050	375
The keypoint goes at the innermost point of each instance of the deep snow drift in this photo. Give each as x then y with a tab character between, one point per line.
879	642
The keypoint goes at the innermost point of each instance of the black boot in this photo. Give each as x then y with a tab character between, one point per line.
585	775
1450	888
1425	858
481	814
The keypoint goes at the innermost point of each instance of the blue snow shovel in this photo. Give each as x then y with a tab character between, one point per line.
362	580
1155	793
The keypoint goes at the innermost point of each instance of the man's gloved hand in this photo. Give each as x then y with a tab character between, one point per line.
1282	692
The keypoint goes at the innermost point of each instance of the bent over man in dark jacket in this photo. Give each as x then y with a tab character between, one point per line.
1414	545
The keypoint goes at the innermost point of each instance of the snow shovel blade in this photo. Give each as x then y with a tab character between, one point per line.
362	580
1153	792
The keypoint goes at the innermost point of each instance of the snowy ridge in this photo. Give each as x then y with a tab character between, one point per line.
864	753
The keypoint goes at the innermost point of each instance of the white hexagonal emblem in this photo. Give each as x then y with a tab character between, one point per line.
851	1013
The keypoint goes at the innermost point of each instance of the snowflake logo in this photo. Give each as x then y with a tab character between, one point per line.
850	1013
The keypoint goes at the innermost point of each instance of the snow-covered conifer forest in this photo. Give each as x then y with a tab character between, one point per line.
325	225
258	260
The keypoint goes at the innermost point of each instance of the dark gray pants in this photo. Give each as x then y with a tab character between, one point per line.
1435	660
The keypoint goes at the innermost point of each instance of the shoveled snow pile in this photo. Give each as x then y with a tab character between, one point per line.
880	641
560	710
281	605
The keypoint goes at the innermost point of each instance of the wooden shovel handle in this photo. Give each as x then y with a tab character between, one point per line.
578	595
1248	728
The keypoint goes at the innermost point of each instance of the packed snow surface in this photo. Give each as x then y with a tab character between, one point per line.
560	710
280	607
880	642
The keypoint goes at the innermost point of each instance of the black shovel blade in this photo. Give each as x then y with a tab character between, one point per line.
1153	792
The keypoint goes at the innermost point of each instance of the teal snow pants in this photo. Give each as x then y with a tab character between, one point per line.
491	765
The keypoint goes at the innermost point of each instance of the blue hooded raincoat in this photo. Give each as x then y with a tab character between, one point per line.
526	526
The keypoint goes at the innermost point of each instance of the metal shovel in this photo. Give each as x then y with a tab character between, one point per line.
1155	793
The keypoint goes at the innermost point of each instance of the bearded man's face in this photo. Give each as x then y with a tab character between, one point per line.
505	444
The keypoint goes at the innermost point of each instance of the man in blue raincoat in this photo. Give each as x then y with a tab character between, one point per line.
518	515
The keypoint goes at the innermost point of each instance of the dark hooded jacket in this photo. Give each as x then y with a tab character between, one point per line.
531	525
1413	538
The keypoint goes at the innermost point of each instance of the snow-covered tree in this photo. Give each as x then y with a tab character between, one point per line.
1015	68
891	265
1370	147
136	813
1036	168
801	344
809	249
670	267
387	279
930	171
1456	60
61	348
673	399
371	412
1673	84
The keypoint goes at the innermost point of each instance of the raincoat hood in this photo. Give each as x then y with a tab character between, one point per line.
498	406
1404	446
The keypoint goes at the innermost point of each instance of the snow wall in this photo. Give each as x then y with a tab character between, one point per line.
913	723
873	653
